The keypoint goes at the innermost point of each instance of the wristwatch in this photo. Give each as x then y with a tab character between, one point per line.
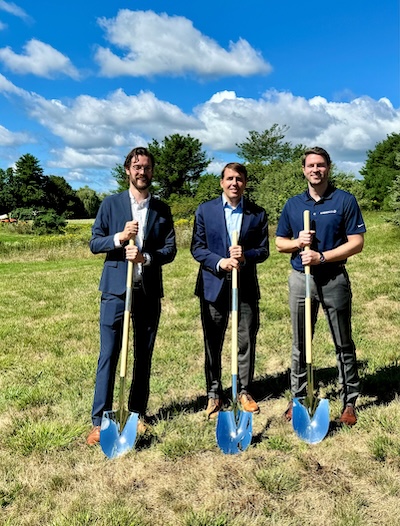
321	258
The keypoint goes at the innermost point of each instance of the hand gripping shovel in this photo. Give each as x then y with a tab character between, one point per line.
311	420
234	428
119	428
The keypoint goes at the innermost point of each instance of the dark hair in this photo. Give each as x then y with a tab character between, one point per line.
317	151
237	167
135	153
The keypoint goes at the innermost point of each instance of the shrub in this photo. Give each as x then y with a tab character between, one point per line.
49	223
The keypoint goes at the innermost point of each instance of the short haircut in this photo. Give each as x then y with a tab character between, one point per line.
133	154
317	151
237	167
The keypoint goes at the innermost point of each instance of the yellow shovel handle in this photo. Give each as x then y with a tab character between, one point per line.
308	328
127	317
235	313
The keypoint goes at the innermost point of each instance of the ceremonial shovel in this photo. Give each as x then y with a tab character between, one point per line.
234	428
310	416
119	428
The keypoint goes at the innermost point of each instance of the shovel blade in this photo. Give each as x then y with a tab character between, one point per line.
113	441
311	429
234	431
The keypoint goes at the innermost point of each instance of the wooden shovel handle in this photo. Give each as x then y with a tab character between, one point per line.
308	328
127	317
235	313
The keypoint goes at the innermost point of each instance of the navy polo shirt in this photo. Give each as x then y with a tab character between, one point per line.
334	217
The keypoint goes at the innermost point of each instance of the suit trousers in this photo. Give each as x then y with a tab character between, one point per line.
215	317
334	294
145	319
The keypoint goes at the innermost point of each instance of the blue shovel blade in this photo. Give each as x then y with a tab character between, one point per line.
113	442
311	429
234	431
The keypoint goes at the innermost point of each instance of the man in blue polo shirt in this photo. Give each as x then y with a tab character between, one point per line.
336	233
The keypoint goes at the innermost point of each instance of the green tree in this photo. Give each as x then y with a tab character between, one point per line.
180	162
184	207
380	171
8	191
269	146
90	201
208	187
394	201
119	174
278	181
30	181
61	197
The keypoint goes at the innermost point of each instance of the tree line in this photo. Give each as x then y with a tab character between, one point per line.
181	178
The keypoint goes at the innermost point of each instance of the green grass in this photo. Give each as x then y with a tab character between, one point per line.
176	475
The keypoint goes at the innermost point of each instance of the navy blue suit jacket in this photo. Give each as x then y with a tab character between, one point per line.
159	242
210	243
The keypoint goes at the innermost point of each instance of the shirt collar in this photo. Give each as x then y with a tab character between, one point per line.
327	195
142	204
225	203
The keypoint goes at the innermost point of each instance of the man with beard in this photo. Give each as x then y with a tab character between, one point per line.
132	214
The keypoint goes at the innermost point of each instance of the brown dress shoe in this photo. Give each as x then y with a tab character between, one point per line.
94	436
248	404
213	407
142	427
349	417
287	415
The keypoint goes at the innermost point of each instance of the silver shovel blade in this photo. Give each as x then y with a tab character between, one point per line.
234	431
114	442
311	429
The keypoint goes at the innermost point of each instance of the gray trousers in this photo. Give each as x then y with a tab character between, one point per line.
215	317
334	294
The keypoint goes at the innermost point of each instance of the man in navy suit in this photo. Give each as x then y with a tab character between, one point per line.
133	213
212	247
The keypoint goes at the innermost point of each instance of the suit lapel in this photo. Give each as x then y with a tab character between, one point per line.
127	208
245	220
151	217
221	224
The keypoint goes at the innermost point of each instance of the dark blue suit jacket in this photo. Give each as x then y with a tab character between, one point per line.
210	243
159	242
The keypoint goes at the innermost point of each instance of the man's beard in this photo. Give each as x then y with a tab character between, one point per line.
144	185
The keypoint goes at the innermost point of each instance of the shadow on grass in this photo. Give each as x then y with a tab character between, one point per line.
384	384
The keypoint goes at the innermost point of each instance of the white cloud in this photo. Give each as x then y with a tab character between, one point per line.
13	9
9	138
39	59
347	129
112	122
93	134
169	45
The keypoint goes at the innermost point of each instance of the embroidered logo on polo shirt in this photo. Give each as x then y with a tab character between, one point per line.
328	212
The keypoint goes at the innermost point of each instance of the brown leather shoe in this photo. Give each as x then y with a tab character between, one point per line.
288	414
349	417
213	407
142	427
94	436
248	404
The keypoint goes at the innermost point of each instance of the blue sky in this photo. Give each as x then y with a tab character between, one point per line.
81	83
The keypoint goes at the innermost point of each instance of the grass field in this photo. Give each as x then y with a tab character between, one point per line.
176	475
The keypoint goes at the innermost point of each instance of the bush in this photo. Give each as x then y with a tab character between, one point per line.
49	222
24	214
394	201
